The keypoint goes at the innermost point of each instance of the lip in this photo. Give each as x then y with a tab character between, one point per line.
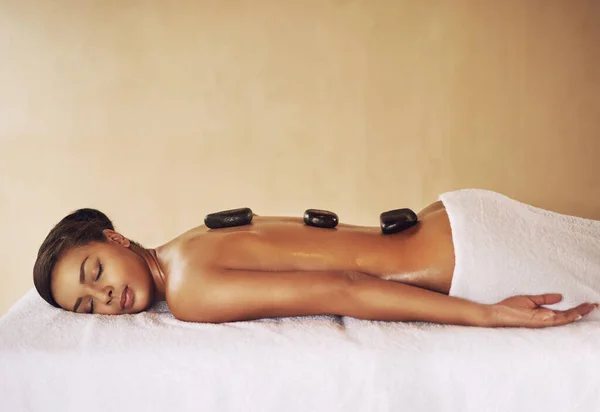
126	298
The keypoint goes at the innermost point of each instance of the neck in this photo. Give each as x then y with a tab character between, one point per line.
158	275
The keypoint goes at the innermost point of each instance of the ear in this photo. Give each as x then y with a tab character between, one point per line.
115	237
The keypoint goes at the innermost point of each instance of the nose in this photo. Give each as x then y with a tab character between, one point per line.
109	294
105	294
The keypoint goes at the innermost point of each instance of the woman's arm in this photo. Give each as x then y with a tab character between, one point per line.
234	295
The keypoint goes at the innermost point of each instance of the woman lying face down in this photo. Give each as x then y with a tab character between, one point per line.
274	267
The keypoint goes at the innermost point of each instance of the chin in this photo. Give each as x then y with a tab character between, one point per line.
143	302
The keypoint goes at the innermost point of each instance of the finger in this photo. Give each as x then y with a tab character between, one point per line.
582	309
559	318
546	298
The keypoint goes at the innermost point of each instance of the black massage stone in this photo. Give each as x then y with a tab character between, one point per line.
397	220
320	218
229	218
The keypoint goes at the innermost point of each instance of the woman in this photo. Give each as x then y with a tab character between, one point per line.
279	267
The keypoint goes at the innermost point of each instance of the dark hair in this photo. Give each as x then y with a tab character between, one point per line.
77	229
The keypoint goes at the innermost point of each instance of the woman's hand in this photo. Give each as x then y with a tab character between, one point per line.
526	311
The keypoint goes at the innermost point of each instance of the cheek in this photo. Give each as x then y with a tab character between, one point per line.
134	272
127	270
137	275
131	268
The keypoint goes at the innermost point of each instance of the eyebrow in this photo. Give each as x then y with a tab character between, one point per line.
81	280
82	271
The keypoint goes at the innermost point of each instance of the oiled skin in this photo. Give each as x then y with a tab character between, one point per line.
422	256
204	261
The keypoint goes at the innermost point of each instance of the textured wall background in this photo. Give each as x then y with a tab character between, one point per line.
160	112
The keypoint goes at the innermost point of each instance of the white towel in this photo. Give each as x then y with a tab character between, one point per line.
52	360
504	248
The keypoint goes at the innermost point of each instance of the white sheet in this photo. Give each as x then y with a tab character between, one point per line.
52	360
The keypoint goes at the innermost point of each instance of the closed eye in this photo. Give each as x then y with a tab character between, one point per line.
100	268
91	306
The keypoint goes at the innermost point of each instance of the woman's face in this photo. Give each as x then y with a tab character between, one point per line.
103	277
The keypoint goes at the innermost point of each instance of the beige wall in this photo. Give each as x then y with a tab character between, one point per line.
160	112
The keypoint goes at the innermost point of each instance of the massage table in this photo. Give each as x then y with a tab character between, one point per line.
53	360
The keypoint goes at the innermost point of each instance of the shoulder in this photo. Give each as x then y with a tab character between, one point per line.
191	272
197	287
189	291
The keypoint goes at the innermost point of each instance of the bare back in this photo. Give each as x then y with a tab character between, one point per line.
421	256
